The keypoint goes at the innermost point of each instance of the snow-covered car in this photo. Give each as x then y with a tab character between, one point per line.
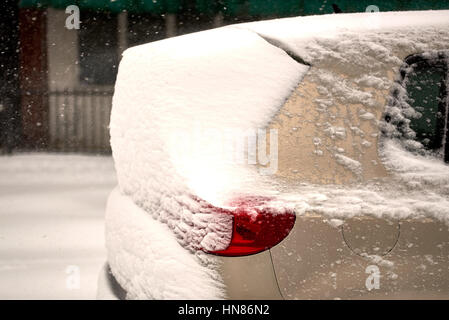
293	158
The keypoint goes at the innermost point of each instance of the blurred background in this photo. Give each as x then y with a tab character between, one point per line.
57	83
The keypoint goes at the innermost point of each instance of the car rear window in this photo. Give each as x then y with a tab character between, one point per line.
418	109
425	85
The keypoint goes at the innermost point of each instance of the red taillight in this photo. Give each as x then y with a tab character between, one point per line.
255	230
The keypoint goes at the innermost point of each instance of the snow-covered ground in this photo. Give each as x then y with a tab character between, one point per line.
51	224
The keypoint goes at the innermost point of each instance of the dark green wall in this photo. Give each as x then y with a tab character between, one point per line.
254	8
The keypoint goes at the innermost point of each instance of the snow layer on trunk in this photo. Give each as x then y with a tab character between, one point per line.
226	79
173	95
148	261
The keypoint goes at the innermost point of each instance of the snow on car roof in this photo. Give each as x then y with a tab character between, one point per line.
332	24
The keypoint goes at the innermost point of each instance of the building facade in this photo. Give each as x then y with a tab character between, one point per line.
67	74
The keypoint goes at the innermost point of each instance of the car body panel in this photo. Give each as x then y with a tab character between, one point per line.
360	257
371	236
306	146
321	261
250	277
315	261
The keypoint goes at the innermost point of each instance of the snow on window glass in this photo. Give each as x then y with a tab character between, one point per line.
418	108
